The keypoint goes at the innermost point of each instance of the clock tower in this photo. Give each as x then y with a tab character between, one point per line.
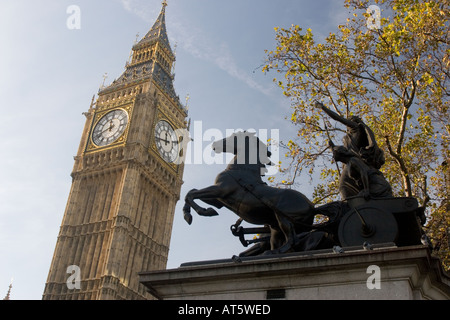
126	181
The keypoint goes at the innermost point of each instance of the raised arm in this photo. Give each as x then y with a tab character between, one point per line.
336	117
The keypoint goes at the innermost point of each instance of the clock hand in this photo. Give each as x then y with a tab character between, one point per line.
163	140
109	129
111	126
167	139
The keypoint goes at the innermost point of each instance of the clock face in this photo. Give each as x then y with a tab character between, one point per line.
166	141
110	127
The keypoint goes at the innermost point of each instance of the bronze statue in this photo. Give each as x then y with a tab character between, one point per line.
362	159
240	188
368	214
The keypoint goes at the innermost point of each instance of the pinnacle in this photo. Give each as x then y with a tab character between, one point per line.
158	32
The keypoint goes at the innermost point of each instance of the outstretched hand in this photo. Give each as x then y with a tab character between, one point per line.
319	105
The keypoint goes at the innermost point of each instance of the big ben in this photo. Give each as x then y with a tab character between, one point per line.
126	181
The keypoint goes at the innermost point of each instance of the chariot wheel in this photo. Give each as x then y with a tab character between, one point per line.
367	224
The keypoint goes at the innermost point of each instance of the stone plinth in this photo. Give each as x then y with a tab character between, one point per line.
384	273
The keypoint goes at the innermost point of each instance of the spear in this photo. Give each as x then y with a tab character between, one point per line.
331	145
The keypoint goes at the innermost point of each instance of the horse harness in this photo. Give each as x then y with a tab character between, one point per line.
250	187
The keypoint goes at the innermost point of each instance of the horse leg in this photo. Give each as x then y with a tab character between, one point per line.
212	192
282	237
288	230
277	239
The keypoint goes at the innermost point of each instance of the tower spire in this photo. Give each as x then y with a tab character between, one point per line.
158	32
151	58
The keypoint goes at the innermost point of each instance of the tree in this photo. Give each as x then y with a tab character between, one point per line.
392	70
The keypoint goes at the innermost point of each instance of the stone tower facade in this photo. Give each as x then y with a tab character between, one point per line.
126	181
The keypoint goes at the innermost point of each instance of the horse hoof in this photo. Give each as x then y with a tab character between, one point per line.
270	252
210	212
188	217
287	248
282	250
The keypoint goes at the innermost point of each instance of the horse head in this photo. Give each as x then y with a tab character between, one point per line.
246	146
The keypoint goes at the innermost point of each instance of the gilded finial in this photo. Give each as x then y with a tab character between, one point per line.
175	55
164	3
92	103
105	76
188	97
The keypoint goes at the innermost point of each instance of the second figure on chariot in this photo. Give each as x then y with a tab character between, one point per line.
362	159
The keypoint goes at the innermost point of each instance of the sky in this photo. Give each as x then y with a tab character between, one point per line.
50	70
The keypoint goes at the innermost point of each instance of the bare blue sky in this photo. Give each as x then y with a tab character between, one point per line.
50	73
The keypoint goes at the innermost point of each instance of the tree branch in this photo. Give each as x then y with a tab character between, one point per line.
403	168
407	102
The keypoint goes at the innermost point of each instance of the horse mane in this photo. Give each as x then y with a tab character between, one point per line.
264	156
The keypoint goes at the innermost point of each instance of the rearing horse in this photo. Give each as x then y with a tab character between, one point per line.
240	189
